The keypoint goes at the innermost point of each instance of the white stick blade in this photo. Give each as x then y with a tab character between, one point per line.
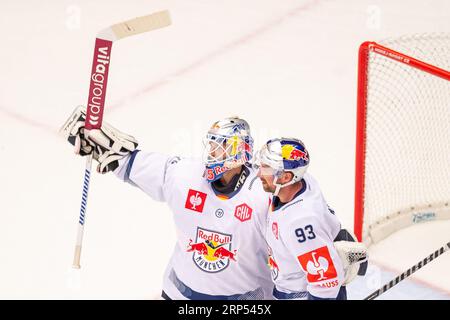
142	24
76	257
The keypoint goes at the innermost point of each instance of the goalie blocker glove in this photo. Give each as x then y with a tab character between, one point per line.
108	145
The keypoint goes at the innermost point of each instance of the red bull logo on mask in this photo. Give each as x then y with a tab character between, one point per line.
290	152
211	250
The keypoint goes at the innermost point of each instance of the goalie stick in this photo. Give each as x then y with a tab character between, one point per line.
408	272
97	92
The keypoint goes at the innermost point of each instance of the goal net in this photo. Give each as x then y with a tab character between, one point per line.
403	134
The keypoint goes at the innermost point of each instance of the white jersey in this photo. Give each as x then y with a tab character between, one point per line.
220	251
302	255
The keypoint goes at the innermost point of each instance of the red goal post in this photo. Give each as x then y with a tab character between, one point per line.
403	135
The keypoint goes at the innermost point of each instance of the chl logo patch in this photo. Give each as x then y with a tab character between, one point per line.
318	265
212	250
243	212
195	200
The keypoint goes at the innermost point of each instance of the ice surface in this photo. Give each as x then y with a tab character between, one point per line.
288	67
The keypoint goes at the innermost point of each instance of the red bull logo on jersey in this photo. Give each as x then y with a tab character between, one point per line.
211	250
195	200
273	266
290	152
318	265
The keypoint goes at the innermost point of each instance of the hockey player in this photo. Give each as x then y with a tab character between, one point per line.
219	206
305	260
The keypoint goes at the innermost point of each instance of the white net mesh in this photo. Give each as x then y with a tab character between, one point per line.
407	164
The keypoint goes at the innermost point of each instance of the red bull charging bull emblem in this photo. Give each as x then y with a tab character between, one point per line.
211	250
273	266
290	152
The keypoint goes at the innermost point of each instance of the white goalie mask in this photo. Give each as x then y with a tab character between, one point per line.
227	145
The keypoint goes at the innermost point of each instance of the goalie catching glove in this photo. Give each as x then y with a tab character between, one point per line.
353	255
107	145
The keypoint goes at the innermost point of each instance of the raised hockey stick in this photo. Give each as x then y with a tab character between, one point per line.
97	92
408	272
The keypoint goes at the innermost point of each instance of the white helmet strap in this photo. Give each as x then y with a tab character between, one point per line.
279	186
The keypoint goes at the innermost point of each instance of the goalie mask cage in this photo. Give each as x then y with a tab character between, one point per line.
403	134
